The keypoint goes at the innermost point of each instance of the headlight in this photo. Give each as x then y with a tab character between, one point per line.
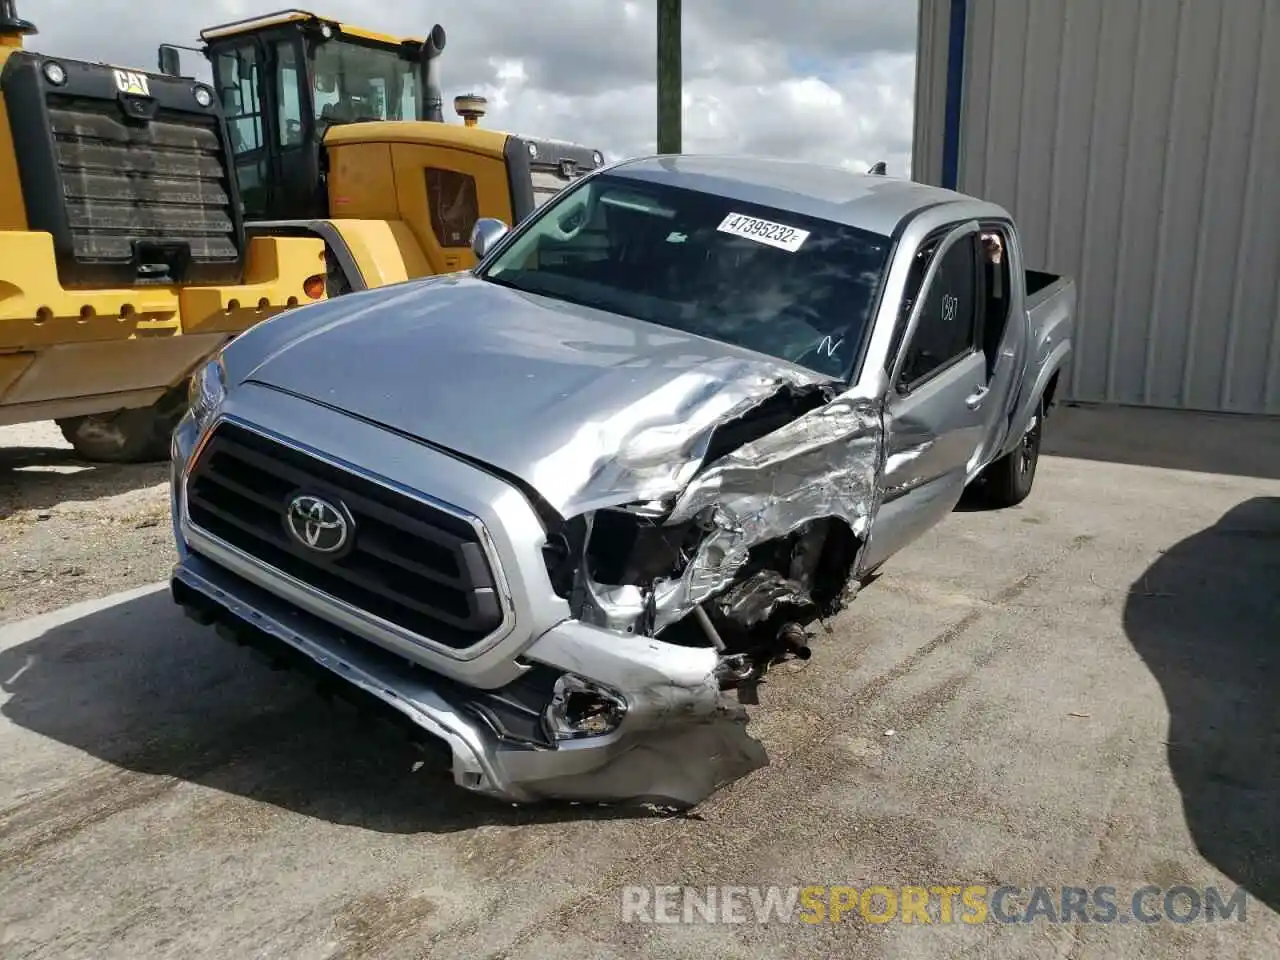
207	392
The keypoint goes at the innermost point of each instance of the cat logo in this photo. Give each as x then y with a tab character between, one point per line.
130	81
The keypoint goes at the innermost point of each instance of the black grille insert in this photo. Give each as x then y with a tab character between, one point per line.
124	184
409	563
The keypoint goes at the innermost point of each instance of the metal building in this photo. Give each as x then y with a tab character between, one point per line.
1137	143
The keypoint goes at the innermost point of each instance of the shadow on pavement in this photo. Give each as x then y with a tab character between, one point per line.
1222	443
1205	618
140	686
39	478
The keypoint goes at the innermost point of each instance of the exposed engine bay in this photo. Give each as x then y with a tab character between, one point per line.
756	548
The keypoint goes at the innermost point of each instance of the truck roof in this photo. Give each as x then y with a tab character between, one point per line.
868	201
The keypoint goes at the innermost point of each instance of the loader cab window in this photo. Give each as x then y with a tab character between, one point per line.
454	209
356	82
289	75
239	74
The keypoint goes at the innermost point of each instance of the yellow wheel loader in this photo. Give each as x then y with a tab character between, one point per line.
338	132
124	261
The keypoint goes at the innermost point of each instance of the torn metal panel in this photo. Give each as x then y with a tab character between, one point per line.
825	464
654	447
681	738
678	765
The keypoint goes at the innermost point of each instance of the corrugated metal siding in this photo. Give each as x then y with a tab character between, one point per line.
931	91
1137	142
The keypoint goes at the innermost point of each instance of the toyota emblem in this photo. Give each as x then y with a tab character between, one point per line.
317	524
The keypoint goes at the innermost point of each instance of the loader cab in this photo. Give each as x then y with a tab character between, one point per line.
285	79
328	121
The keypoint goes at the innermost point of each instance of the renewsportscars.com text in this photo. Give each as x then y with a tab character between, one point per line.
945	904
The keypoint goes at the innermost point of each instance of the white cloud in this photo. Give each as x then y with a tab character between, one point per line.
827	80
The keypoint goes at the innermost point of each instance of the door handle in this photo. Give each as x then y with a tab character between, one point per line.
974	400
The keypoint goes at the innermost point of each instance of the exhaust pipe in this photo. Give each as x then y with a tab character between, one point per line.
432	97
12	26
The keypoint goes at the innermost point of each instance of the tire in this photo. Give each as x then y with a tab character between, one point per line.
138	435
1008	481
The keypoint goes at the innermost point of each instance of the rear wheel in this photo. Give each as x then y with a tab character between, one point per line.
138	435
1007	482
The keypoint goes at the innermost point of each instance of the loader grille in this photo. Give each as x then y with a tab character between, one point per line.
162	183
128	173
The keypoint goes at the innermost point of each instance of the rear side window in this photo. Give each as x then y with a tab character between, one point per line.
454	209
946	330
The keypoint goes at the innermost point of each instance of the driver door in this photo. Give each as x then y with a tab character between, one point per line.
934	418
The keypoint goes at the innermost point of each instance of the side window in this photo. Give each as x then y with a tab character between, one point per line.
288	99
919	266
454	208
948	316
239	74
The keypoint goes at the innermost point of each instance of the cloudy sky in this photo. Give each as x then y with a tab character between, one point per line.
827	80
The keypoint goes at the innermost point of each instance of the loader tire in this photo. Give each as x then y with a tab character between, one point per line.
137	435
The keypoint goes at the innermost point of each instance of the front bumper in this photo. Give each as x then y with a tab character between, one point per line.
680	740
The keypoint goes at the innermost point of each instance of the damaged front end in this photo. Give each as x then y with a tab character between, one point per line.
759	543
695	554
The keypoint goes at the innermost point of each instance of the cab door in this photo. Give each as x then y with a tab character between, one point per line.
296	192
239	72
935	409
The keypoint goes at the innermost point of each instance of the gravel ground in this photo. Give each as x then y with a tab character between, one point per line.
71	530
1079	691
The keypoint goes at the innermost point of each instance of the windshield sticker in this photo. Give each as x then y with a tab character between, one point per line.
764	231
829	346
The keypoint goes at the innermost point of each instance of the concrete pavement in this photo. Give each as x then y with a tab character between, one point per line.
1081	691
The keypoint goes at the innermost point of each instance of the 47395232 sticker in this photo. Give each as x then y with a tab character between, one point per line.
764	231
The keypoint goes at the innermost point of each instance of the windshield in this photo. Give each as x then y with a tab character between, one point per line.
794	287
356	82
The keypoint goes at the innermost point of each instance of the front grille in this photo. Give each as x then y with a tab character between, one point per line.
162	182
410	563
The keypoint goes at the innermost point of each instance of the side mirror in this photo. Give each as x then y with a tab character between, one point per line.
486	234
170	60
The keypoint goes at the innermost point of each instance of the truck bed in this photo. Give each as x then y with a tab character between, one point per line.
1038	282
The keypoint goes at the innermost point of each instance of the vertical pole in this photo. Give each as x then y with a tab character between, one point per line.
669	76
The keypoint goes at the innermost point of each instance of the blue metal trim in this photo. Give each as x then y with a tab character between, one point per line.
955	91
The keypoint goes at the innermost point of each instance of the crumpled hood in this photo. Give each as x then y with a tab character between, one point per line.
587	407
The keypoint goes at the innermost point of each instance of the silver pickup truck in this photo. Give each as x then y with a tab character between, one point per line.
552	511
